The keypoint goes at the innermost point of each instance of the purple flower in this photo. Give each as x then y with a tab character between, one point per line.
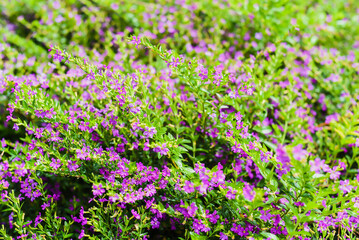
155	223
150	190
298	152
162	150
330	118
57	56
11	218
188	187
81	219
238	229
82	153
236	147
299	204
324	203
199	227
345	186
283	201
317	165
30	62
38	219
213	218
27	224
3	143
16	127
218	177
248	192
149	132
72	165
55	163
357	142
265	215
114	6
149	203
231	193
136	41
223	236
22	236
45	205
258	35
356	202
38	132
146	146
283	158
135	214
82	234
334	174
192	209
98	190
162	183
203	187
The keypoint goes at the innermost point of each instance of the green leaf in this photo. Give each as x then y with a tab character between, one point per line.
195	236
289	225
187	170
303	233
269	235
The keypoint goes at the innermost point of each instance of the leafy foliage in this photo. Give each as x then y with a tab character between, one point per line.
179	120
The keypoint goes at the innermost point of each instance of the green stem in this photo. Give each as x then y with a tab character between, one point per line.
285	132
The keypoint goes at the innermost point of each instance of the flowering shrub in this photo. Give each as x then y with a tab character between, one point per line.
179	120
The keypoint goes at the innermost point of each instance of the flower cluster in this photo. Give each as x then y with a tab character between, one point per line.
246	129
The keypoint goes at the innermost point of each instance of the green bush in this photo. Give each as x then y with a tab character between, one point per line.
179	120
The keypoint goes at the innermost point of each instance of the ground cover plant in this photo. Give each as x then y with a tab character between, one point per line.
179	119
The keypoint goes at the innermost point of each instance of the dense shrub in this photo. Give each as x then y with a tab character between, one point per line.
179	120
